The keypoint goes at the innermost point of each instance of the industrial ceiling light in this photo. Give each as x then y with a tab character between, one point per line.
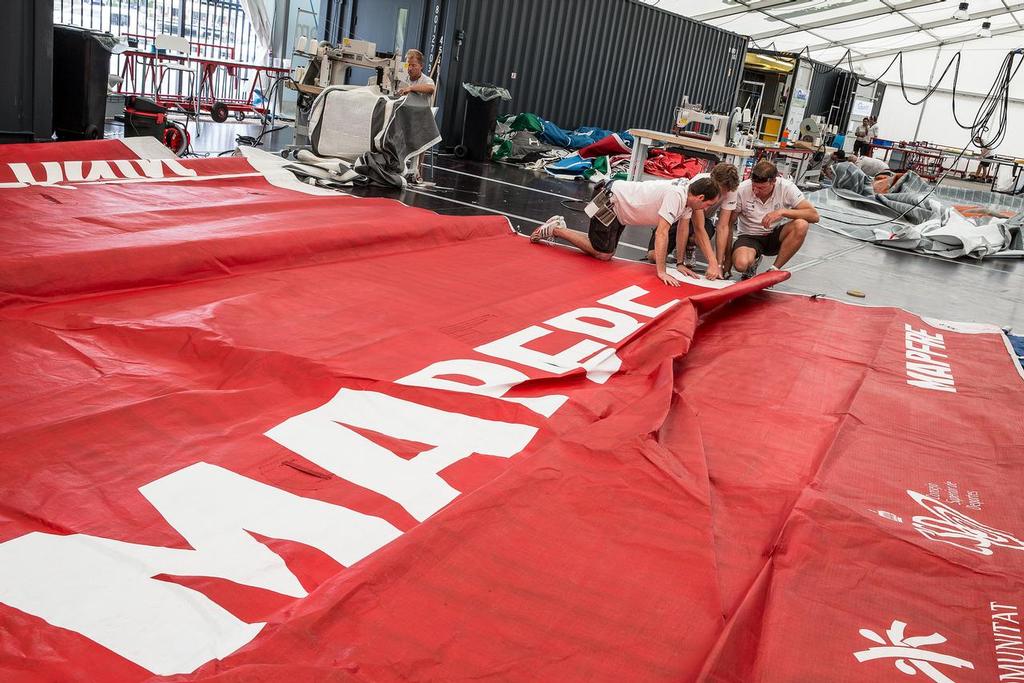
986	30
961	13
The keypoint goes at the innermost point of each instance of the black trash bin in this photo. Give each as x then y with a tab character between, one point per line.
26	79
81	64
481	117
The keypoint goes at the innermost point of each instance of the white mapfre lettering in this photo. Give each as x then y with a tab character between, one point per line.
600	323
625	300
104	590
514	348
924	369
321	436
492	380
59	172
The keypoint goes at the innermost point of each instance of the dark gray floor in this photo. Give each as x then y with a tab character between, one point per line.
991	291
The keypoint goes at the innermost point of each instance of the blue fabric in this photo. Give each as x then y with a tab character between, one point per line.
586	135
572	165
579	138
1018	345
553	135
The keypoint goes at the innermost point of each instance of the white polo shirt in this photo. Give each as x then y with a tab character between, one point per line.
645	203
751	210
872	166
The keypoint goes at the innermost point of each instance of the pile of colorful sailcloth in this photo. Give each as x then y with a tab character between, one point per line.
586	153
252	431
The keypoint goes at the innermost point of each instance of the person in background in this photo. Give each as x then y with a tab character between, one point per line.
420	86
984	152
872	166
885	182
773	217
638	203
837	157
418	91
861	143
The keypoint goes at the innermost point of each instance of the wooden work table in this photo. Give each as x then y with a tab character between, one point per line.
313	90
643	139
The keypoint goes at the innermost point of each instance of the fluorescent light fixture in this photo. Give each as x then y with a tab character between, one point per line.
961	13
986	30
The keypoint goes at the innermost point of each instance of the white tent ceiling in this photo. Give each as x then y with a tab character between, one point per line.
868	28
874	32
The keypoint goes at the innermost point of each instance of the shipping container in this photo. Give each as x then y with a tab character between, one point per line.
614	64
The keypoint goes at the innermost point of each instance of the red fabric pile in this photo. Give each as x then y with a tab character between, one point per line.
668	164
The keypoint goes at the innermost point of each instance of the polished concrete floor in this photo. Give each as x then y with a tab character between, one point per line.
990	291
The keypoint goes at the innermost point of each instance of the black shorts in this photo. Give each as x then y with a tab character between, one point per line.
768	245
710	225
604	238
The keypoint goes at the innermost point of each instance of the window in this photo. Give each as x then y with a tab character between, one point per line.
403	21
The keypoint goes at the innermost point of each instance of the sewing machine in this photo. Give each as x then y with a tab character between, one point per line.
326	68
327	65
726	130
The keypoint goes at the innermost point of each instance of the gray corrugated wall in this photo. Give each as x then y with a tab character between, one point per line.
609	63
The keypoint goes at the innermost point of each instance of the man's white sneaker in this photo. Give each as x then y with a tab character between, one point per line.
547	229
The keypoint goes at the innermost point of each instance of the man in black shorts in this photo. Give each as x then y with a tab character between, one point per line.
772	217
658	203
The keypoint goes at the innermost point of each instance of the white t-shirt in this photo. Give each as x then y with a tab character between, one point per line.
726	200
645	203
751	210
418	97
866	134
872	166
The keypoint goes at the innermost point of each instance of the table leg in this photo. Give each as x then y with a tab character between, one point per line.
638	158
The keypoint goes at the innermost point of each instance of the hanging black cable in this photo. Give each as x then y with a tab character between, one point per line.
993	110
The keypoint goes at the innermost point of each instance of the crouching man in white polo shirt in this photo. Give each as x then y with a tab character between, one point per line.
639	203
772	218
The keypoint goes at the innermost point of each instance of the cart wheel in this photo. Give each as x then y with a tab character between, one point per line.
240	115
219	112
461	151
176	139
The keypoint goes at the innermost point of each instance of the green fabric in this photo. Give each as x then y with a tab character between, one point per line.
530	122
621	175
500	147
600	167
